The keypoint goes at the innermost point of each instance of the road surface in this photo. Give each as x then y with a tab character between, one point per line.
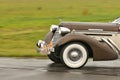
44	69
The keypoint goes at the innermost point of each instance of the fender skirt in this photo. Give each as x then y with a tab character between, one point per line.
101	51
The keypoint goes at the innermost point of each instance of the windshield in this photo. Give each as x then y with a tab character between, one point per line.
117	20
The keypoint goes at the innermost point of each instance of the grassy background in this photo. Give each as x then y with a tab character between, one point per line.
23	22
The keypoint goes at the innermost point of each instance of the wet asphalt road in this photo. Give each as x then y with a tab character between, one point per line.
44	69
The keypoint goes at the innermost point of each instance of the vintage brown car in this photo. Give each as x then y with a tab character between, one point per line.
72	43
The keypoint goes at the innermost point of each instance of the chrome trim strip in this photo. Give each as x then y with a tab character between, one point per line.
106	41
95	29
117	48
107	33
112	45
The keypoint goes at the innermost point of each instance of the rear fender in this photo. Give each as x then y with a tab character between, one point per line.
101	51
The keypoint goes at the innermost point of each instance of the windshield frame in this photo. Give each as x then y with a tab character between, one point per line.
117	20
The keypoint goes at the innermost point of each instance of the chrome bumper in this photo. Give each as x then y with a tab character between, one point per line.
44	48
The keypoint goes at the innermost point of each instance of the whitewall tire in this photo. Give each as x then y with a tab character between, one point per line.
74	55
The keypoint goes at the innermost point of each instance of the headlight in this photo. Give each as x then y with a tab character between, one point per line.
53	28
40	43
63	30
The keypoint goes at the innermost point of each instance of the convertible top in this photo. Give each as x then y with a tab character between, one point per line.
90	25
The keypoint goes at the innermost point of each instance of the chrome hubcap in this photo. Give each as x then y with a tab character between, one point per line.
74	55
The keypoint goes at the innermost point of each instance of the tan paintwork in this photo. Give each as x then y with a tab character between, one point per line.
116	39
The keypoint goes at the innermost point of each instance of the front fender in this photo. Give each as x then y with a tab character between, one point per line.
48	37
101	51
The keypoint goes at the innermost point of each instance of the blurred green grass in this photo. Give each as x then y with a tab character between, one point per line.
24	22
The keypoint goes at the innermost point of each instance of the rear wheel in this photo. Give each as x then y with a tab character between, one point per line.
54	58
74	55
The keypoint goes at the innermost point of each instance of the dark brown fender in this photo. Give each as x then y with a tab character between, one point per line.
101	51
48	37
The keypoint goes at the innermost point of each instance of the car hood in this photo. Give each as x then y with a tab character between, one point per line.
90	25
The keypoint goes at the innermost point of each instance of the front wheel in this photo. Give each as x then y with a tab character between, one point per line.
74	55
